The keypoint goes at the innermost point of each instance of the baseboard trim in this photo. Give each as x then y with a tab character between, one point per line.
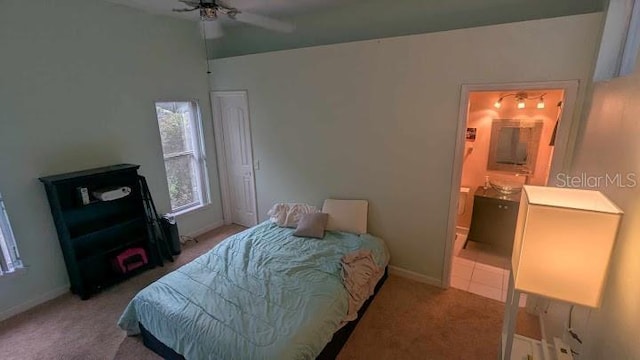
205	229
18	309
408	274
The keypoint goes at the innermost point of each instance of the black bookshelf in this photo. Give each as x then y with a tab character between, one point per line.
92	234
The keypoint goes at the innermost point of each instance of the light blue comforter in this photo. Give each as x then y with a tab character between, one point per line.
260	294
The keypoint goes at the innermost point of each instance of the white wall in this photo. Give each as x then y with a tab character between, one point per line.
610	146
377	119
77	83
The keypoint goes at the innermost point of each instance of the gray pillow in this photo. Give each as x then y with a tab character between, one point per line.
312	225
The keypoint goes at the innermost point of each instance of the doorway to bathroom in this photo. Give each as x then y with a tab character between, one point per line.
509	135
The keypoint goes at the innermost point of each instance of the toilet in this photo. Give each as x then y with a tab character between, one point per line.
462	200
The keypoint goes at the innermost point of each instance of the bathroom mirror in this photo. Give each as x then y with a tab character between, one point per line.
514	145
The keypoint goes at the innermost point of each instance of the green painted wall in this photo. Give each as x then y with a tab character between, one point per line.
78	79
377	119
374	19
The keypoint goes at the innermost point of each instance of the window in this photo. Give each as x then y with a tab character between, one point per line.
632	42
620	40
183	149
10	259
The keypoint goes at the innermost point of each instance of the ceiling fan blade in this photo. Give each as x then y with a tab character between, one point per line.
224	4
211	29
191	3
184	10
264	22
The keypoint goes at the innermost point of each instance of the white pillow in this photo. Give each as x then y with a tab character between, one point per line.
288	214
346	215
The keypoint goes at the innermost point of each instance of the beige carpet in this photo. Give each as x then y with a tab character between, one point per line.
407	320
68	328
410	320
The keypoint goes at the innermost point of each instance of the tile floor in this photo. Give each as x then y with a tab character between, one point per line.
481	270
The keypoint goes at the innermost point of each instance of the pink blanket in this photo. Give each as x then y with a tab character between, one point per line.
360	274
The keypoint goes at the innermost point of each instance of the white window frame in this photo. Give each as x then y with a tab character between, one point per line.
632	42
198	155
620	40
9	256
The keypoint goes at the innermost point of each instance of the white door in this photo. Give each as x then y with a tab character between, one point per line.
233	137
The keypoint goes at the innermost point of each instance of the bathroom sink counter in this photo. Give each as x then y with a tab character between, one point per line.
494	194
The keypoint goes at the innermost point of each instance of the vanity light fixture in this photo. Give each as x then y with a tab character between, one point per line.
521	99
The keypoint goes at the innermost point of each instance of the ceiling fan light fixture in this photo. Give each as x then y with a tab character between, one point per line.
210	10
207	13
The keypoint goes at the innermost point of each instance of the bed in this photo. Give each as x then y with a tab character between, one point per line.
260	294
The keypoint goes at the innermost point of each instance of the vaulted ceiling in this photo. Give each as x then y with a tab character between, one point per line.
320	22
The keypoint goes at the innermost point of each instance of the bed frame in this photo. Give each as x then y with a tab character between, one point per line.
330	351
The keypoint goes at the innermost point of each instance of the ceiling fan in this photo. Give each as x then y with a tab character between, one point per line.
211	11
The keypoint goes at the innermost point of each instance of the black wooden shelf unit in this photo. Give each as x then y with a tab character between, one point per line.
92	234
